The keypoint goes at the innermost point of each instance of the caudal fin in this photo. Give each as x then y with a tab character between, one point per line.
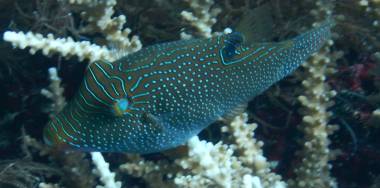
310	42
303	46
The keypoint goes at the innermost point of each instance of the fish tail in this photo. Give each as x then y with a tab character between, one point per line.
311	41
303	46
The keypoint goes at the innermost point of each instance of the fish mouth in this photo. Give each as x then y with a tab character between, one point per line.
53	140
47	138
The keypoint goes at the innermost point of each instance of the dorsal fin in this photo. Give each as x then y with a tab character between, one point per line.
232	42
257	25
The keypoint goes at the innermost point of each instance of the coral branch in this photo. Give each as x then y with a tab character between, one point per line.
55	92
66	47
202	18
102	169
99	15
250	149
314	170
211	165
155	174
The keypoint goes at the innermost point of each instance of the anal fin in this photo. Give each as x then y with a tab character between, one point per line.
150	119
229	116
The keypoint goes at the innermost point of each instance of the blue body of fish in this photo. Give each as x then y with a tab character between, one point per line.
160	96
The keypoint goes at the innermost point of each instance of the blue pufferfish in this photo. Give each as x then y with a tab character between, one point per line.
160	96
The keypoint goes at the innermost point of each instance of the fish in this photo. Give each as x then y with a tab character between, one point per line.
161	96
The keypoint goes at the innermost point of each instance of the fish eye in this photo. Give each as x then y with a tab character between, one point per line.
232	44
120	107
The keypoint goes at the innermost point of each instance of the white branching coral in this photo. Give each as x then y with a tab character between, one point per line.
212	165
202	18
314	170
249	149
49	45
55	92
102	170
99	14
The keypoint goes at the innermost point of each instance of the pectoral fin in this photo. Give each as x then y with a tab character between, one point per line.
152	120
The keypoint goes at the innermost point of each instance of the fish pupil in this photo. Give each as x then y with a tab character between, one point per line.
232	43
120	107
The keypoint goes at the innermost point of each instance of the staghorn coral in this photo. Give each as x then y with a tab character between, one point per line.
55	92
66	47
208	165
202	18
249	149
102	170
99	17
314	170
